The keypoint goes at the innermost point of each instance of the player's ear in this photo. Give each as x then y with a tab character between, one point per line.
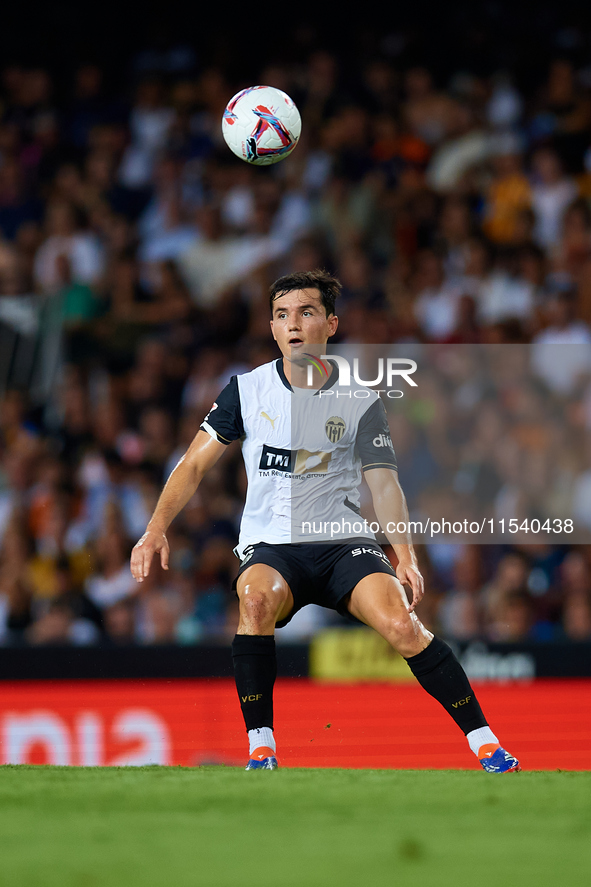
272	330
333	323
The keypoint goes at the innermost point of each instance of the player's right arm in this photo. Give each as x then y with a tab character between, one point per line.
202	454
222	425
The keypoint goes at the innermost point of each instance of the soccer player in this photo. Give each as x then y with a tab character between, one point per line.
304	452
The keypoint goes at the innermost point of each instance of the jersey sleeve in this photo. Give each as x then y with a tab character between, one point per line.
373	443
224	420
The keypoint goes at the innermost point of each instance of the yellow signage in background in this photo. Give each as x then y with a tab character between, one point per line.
355	654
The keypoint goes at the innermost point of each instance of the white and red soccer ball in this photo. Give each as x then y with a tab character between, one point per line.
261	125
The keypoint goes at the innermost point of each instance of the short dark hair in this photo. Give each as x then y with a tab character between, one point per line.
319	279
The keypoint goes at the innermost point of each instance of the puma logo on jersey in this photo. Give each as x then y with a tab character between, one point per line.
269	419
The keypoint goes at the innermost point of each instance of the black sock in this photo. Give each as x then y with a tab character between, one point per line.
441	675
255	670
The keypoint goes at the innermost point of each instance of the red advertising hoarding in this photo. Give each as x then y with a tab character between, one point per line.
187	722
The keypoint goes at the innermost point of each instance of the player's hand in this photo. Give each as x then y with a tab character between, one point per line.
144	550
408	573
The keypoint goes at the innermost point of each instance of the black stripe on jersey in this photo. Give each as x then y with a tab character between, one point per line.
373	442
352	505
281	371
380	465
225	416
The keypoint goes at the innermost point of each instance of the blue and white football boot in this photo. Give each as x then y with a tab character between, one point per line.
262	759
495	759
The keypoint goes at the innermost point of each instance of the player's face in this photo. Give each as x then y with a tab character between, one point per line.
299	320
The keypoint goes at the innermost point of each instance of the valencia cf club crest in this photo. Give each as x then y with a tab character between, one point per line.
335	428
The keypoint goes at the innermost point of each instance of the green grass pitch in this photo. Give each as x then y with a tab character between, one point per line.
223	827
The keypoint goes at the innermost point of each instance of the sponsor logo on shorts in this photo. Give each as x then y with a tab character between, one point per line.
375	551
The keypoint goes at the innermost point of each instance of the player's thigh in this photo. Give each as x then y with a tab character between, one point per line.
262	586
379	600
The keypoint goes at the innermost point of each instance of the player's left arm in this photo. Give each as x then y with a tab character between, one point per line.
378	460
391	511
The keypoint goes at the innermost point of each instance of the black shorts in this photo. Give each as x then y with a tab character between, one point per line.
322	573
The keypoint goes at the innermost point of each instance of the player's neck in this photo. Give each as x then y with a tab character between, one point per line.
300	375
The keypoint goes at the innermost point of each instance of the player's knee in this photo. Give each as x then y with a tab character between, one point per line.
399	631
260	606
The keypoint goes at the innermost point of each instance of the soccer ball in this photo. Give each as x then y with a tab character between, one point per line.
261	125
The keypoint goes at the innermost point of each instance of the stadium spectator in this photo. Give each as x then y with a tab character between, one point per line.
149	123
509	193
459	610
571	252
217	261
513	619
552	192
119	623
576	616
427	111
561	368
437	300
466	147
111	582
66	237
562	111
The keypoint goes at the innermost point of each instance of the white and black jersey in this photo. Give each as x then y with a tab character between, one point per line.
304	451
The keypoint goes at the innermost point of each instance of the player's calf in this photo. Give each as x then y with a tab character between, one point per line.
442	676
255	670
380	601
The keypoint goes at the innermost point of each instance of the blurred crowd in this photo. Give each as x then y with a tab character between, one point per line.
135	258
